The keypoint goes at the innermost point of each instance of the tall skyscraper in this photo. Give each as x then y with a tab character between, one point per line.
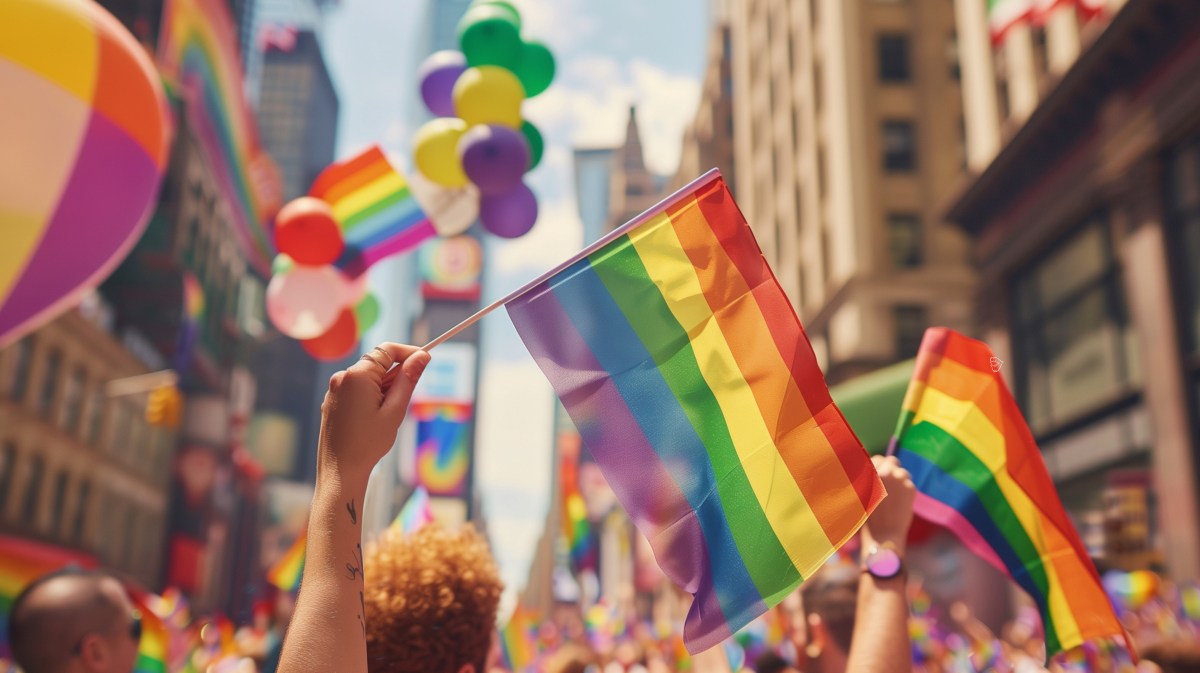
847	135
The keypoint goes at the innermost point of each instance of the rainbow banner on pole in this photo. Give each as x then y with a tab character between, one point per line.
198	52
376	209
287	571
686	370
980	474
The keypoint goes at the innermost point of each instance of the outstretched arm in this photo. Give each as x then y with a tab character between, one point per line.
359	420
881	643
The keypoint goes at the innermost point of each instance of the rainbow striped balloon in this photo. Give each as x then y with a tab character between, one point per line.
683	365
287	571
85	132
376	209
980	474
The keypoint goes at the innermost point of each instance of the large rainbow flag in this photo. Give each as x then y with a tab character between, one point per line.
372	202
682	363
980	474
287	571
198	53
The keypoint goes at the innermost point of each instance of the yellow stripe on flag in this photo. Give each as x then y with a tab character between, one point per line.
368	195
777	492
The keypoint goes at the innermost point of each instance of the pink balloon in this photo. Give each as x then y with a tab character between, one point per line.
306	301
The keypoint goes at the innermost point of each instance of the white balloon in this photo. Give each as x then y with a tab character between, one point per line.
452	210
306	301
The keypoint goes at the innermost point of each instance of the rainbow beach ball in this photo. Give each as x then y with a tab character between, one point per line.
84	137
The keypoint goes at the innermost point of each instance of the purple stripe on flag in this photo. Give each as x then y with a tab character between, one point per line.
667	519
354	262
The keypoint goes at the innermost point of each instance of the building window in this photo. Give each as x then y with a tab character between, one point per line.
95	415
899	146
911	322
892	51
59	503
1075	347
8	466
45	404
904	240
73	400
33	487
81	508
18	384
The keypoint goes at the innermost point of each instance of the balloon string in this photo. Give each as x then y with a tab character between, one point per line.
679	195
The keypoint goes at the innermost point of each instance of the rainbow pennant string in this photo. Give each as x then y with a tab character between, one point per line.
377	211
198	50
980	475
680	358
286	572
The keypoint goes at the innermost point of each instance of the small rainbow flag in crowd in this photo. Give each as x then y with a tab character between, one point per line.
193	299
577	530
980	475
152	650
416	513
286	572
686	370
375	207
517	642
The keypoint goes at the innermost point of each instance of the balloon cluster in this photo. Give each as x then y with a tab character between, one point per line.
308	298
479	135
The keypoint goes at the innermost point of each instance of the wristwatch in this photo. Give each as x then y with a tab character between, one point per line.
883	562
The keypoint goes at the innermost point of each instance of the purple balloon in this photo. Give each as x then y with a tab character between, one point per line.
437	75
494	158
510	214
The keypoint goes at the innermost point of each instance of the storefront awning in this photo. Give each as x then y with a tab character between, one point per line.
871	403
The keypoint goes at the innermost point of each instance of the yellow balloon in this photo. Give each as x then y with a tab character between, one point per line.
436	151
489	95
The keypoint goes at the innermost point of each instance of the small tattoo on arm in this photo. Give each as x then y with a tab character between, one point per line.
355	567
362	610
353	513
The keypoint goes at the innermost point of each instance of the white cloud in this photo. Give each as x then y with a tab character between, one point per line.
561	24
666	105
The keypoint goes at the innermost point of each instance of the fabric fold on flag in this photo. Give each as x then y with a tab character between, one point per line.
691	381
980	474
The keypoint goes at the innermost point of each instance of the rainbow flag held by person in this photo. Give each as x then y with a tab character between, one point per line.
443	446
681	361
376	209
287	571
416	513
980	474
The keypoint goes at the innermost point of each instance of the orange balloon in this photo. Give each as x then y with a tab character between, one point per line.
337	342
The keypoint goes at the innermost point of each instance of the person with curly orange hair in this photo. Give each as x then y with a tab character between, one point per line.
431	601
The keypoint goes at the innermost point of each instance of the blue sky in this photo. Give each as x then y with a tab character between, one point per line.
610	54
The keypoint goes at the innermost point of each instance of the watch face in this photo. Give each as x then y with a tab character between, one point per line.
884	563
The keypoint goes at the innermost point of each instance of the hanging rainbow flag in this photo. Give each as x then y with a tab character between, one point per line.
286	572
980	474
21	562
443	448
372	202
682	363
517	642
416	513
198	54
577	530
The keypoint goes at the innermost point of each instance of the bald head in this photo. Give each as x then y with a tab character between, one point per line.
53	615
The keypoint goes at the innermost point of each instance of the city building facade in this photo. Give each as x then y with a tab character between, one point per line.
847	139
1084	208
708	140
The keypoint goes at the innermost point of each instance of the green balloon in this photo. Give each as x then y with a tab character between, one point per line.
282	264
366	312
488	35
501	4
535	69
536	145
